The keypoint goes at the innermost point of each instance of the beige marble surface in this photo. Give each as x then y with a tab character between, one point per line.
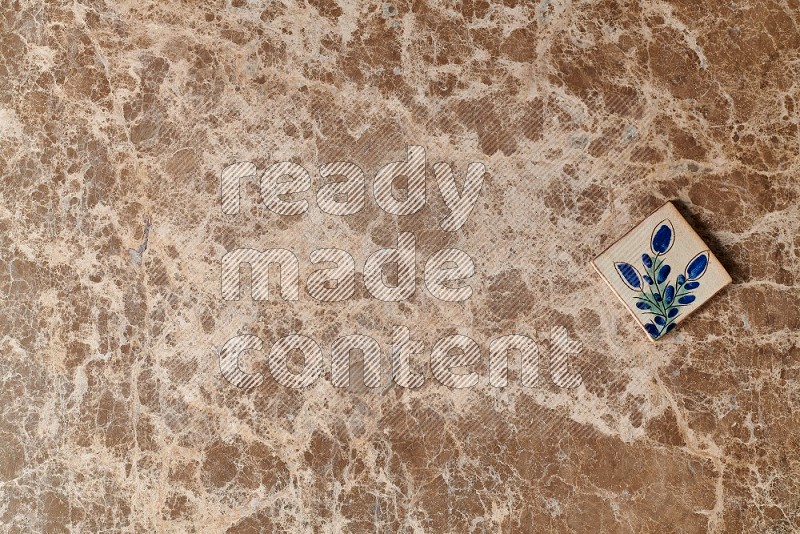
116	120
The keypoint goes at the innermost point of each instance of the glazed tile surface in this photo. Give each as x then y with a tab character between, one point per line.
117	120
662	271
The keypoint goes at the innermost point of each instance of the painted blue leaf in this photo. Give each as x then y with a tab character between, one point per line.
662	238
670	328
647	279
629	275
647	261
652	330
692	285
657	297
663	273
686	299
672	312
669	294
659	320
681	280
697	266
643	305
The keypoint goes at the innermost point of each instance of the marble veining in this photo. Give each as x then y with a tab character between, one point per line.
116	122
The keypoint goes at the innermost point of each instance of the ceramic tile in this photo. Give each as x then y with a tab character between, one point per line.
662	271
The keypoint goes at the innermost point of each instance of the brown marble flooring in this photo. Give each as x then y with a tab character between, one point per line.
116	119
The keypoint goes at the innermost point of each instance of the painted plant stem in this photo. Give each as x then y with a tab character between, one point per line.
656	294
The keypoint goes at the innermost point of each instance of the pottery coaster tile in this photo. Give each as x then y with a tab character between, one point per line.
662	271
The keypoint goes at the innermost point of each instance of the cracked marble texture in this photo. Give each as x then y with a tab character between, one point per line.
116	120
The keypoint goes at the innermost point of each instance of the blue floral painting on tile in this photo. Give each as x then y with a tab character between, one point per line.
656	294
